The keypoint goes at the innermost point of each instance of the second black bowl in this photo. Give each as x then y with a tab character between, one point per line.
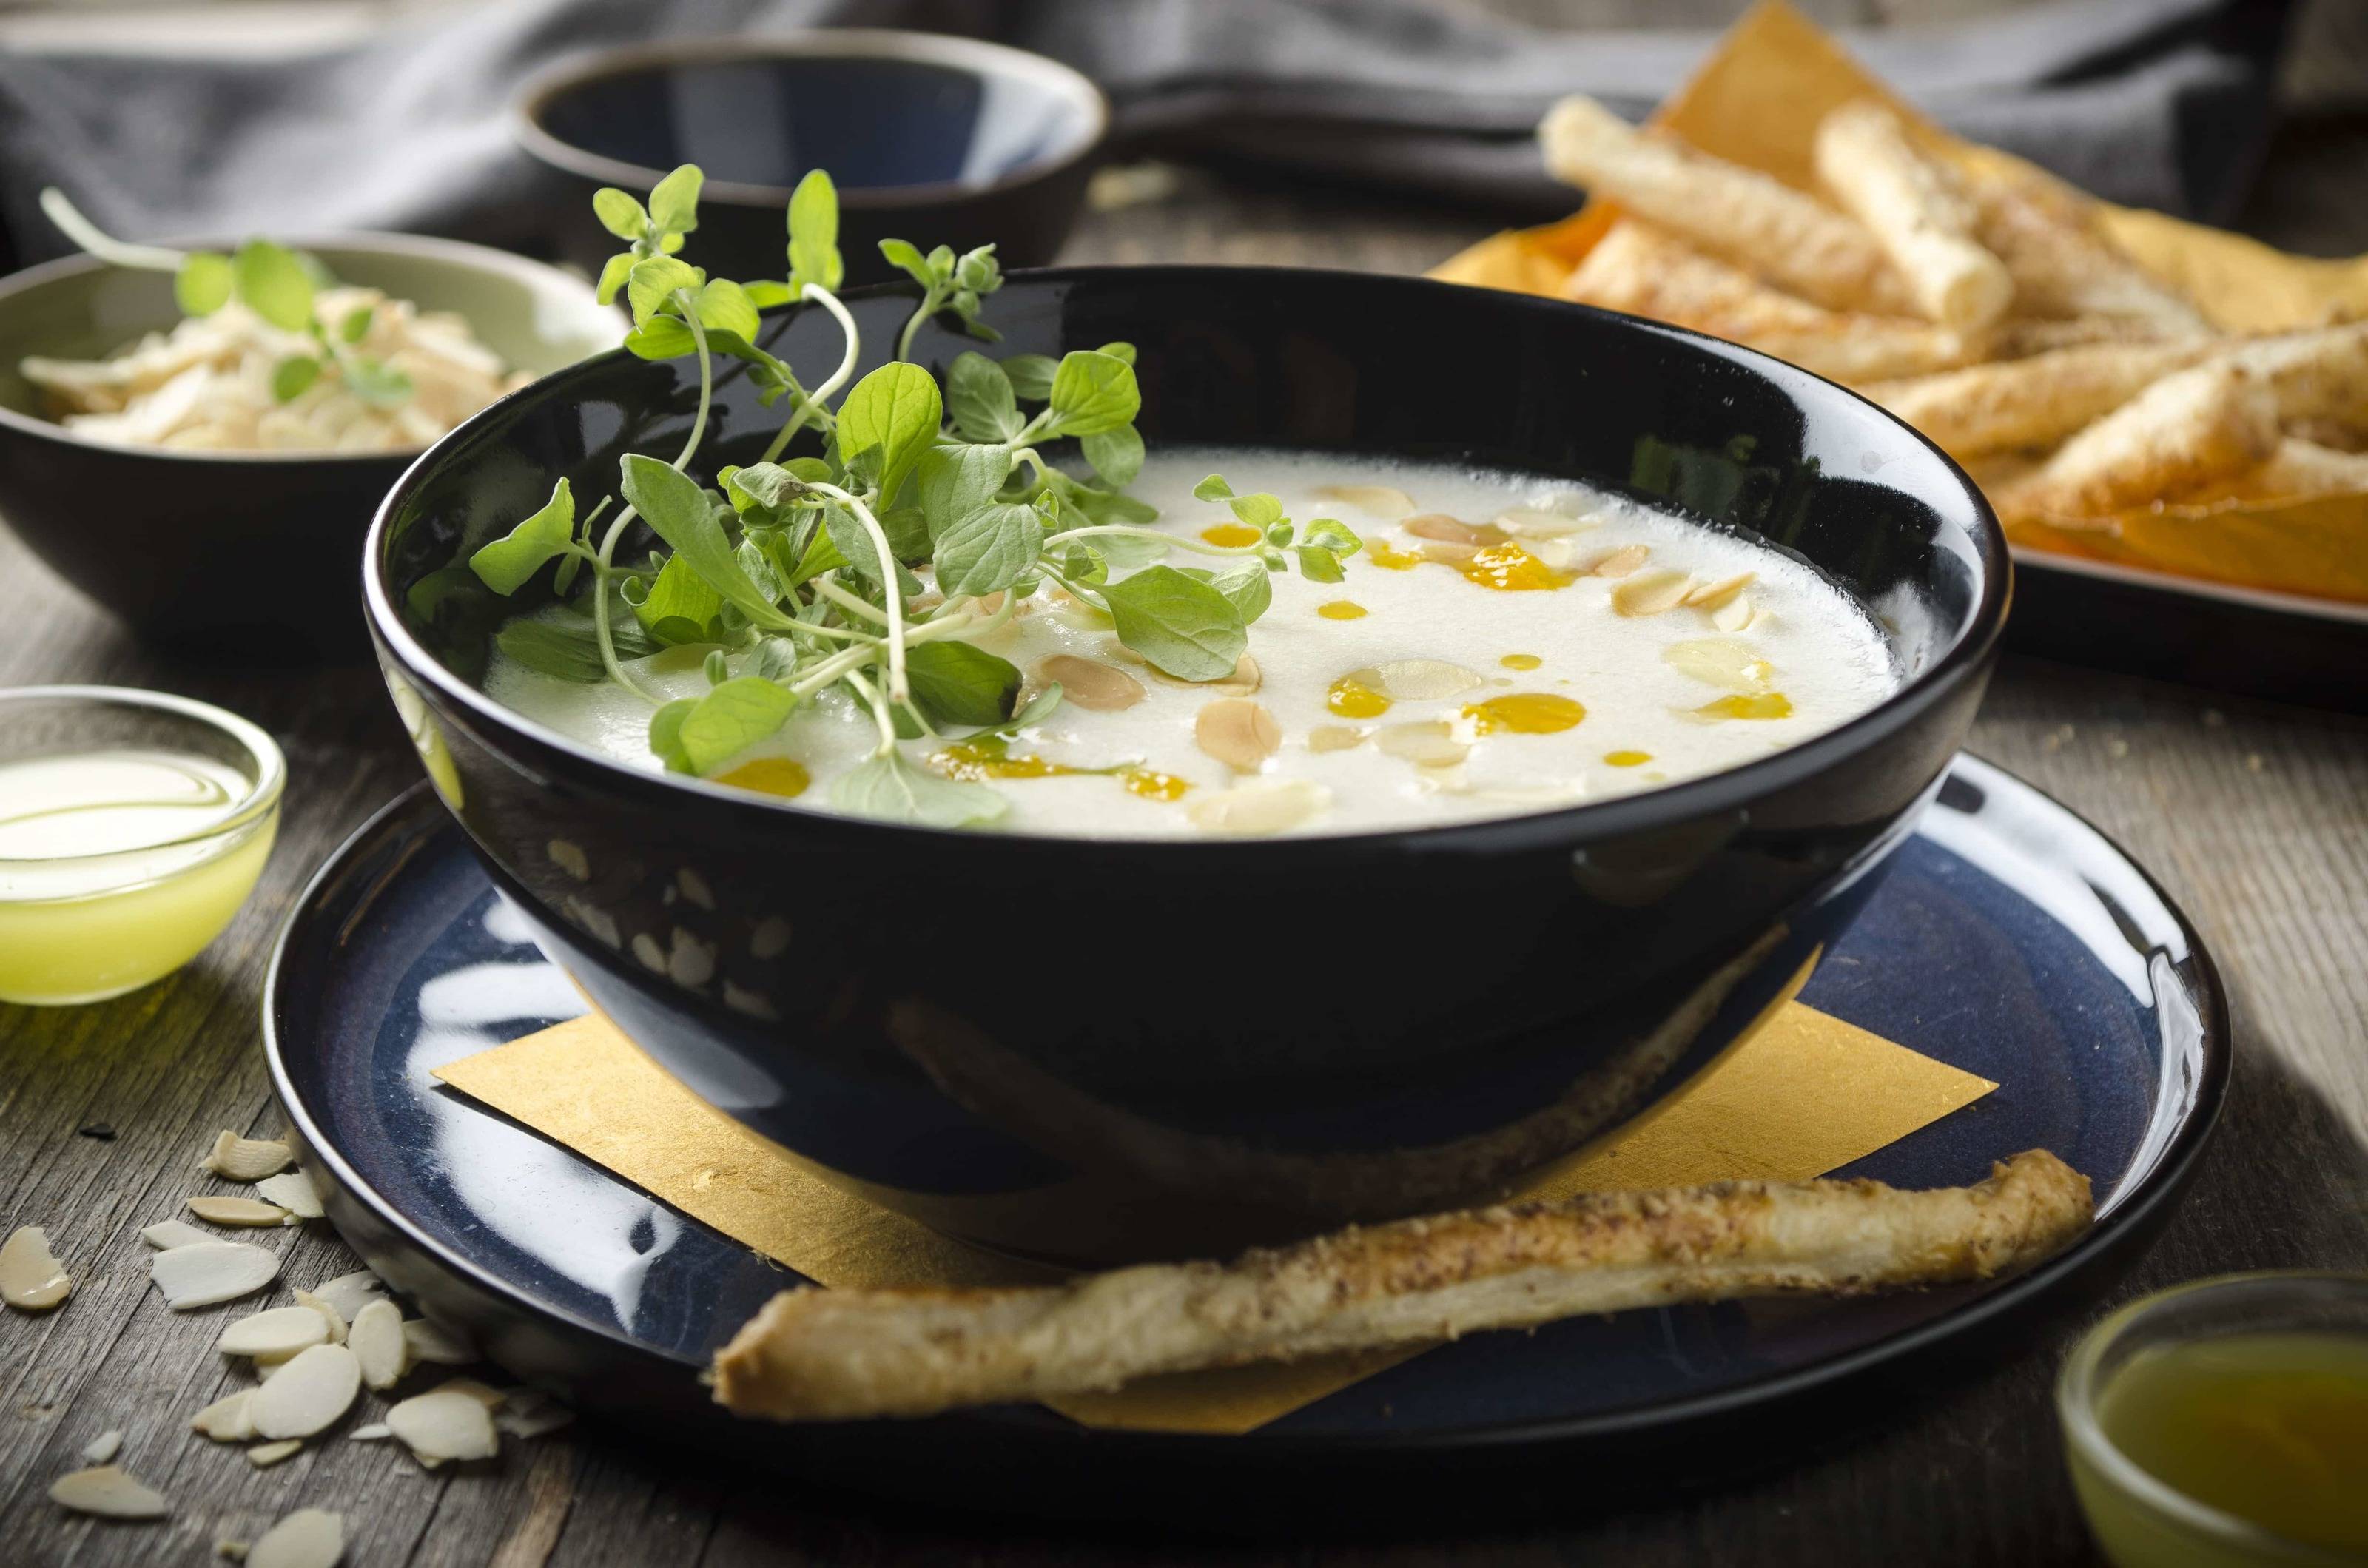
1096	1048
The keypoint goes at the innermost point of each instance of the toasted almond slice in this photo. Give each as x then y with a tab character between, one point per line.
1710	596
1446	553
350	1293
441	1425
1623	561
309	1537
1335	737
1430	744
1256	809
1735	614
1444	530
1531	522
1091	685
205	1274
308	1395
1245	678
1238	733
277	1332
227	1419
329	1315
531	1413
373	1432
31	1278
1417	680
104	1446
237	1211
173	1234
109	1493
1651	593
1719	663
484	1394
234	1158
1379	500
430	1341
377	1337
262	1456
294	1191
231	1550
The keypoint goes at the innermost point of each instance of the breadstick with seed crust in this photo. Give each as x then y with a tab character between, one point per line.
2035	401
1648	271
837	1354
2297	470
2061	265
1916	213
1786	236
2187	430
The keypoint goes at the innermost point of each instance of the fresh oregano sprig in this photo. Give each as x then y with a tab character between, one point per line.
796	571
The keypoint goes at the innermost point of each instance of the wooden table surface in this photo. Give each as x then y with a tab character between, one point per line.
2256	818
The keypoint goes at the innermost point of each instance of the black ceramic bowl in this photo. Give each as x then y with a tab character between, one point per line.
1128	1048
929	138
242	554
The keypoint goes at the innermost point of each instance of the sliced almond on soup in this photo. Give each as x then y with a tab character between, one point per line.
1432	744
1623	561
31	1278
1378	500
108	1493
1417	680
1091	685
1651	593
1238	733
1335	737
376	1337
1721	663
1736	614
1529	522
237	1211
309	1394
294	1191
234	1158
1710	596
208	1273
443	1424
1438	528
1246	677
1253	810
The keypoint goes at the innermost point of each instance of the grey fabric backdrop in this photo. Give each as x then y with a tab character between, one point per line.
2162	102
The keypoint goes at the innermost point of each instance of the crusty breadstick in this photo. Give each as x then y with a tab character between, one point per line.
1789	237
2061	265
2298	468
2190	429
834	1355
1648	271
2033	402
2320	373
1916	211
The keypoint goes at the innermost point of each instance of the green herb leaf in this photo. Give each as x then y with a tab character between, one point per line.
564	644
293	375
673	201
953	482
1187	628
652	282
663	337
1213	488
1244	583
620	213
821	555
1116	455
769	487
1330	533
356	325
699	735
506	563
613	274
978	395
725	306
204	282
813	234
274	284
764	293
680	607
1119	351
989	549
1092	392
1030	375
1261	511
677	510
1320	565
890	788
895	409
376	383
1040	707
906	257
960	683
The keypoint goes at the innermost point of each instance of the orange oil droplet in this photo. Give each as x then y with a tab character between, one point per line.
780	775
1340	609
1233	536
1627	758
1521	661
1354	700
1525	713
1153	785
1389	557
1509	569
1764	704
976	764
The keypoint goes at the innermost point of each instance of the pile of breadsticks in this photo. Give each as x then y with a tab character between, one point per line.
1982	302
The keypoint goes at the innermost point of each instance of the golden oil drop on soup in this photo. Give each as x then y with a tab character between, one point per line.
1478	562
780	775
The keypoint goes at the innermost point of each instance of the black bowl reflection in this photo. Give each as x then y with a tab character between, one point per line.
929	138
1096	1049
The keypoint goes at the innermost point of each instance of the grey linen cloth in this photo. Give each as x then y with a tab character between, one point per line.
2161	103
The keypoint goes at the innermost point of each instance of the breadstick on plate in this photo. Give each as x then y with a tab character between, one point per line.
1648	271
2297	470
2319	374
2061	265
2187	430
1915	210
2034	402
1787	236
837	1354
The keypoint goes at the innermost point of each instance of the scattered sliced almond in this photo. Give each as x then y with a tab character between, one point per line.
1710	596
1379	500
1256	809
229	1549
430	1341
1531	522
1623	561
278	1332
31	1278
1719	663
482	1392
377	1338
309	1537
1238	733
1417	680
1651	593
1245	678
104	1446
293	1191
1430	744
373	1432
531	1413
205	1274
262	1456
238	1211
108	1492
1091	685
1334	737
1444	530
441	1425
234	1158
1561	554
308	1395
350	1293
329	1314
1448	554
227	1419
1736	614
174	1234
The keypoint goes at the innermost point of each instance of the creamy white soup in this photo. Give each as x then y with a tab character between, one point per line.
1501	645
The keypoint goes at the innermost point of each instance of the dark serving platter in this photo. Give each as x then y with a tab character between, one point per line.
2008	938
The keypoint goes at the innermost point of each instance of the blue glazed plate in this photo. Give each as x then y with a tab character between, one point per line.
2008	938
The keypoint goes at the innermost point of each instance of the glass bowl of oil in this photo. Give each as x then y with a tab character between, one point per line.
2226	1422
132	826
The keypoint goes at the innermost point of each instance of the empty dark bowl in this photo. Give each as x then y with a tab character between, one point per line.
930	138
966	1026
239	554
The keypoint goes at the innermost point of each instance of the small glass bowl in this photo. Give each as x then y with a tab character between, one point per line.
82	928
2140	1521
